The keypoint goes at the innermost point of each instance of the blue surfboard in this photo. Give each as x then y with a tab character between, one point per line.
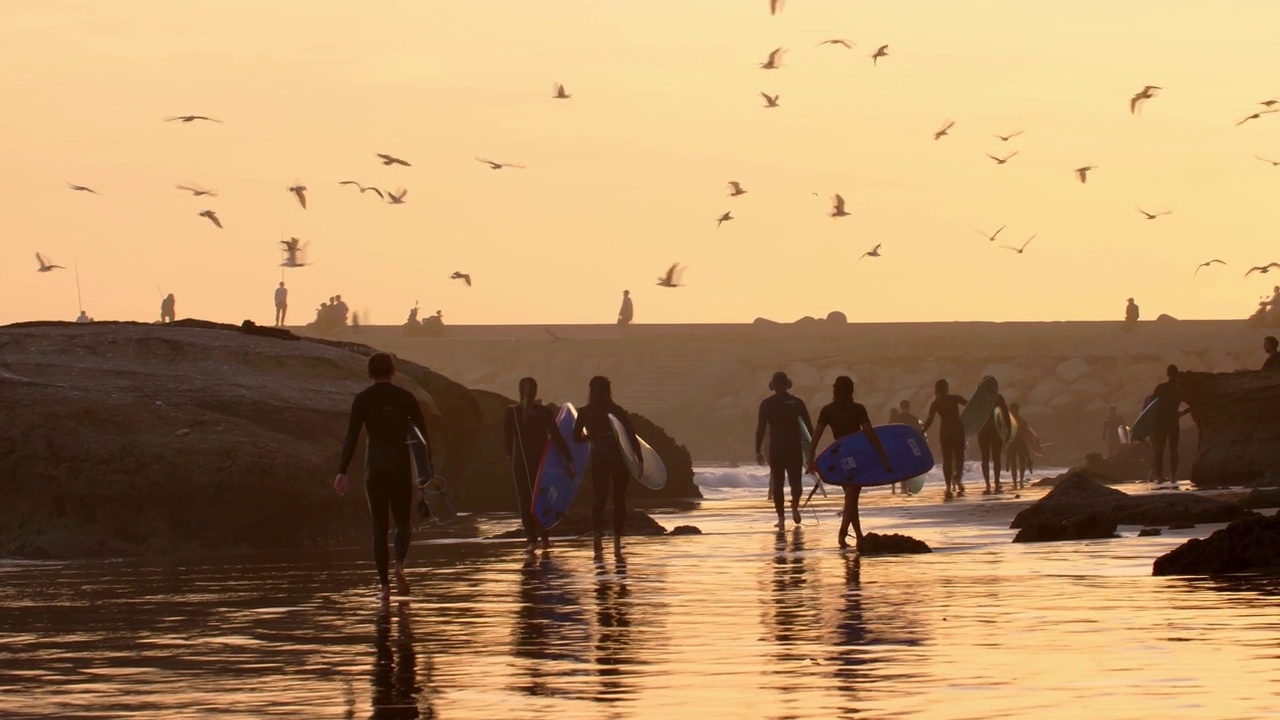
852	460
1146	421
554	489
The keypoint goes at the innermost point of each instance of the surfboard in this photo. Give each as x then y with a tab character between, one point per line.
1146	421
980	405
806	444
434	488
624	444
852	460
1006	425
1123	433
554	487
915	484
1032	440
654	476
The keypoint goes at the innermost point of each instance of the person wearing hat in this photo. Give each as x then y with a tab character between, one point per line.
1130	315
783	414
846	417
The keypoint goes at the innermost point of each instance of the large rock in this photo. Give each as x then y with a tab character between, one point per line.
1081	494
1091	526
1238	415
1251	544
891	544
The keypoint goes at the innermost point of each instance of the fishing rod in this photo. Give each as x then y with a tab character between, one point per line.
75	263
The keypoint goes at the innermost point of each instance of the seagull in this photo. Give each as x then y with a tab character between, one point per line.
190	118
992	236
873	252
560	93
397	199
197	191
1082	172
836	41
943	130
774	6
301	192
1143	94
1010	136
736	189
554	337
45	266
362	188
1020	249
292	250
1003	160
457	275
771	101
213	218
883	51
1273	162
671	279
82	188
837	209
392	160
1151	216
1264	269
1269	103
1256	116
498	166
1205	265
773	62
724	218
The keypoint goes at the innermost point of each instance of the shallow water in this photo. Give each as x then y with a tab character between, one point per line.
742	621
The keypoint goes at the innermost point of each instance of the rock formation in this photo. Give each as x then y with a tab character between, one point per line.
1239	419
891	544
1248	545
1080	496
1090	526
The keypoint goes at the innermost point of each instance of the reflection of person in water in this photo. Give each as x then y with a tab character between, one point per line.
395	689
551	625
613	643
791	613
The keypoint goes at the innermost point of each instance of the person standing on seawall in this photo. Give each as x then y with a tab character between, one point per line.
947	407
782	413
1130	316
282	303
604	457
529	428
846	417
385	411
1166	430
627	311
168	309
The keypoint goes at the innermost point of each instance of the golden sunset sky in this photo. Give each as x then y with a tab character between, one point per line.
629	176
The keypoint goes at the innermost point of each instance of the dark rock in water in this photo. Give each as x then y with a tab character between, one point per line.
1181	525
1260	499
835	317
686	530
1149	531
891	544
1131	464
578	523
1090	526
1239	419
1248	545
1079	494
1075	493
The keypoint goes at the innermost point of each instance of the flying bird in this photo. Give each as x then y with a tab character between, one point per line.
1269	103
1264	269
1003	160
992	236
45	266
554	337
1256	116
362	188
197	191
837	207
735	189
775	58
1010	136
82	188
944	129
882	51
393	160
560	93
397	198
458	275
1020	249
770	101
301	192
498	166
836	41
1205	265
191	118
1083	172
672	278
873	252
724	218
292	252
1268	160
1144	94
213	218
1153	216
774	6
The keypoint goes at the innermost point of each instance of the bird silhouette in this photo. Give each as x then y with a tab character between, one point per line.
458	275
1153	216
191	118
836	41
735	189
1269	103
498	166
393	160
197	191
301	192
397	198
992	236
837	206
672	278
362	188
1256	116
873	252
82	188
1268	160
45	265
882	51
1019	249
554	337
1205	265
1083	172
1144	94
1003	160
293	252
774	6
724	218
770	101
1010	136
560	93
1264	269
775	58
946	127
213	218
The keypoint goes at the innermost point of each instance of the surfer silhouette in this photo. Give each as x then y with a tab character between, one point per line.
989	446
604	457
846	417
1166	430
529	429
84	317
947	407
384	411
783	413
1273	357
1017	450
627	311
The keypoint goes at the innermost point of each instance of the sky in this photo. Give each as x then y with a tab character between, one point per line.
629	176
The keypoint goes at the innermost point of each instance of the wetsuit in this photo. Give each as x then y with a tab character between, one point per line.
1166	430
1272	362
1019	455
385	412
845	418
782	413
604	457
525	436
990	444
950	434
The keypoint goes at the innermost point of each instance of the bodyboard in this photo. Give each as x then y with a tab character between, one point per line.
852	460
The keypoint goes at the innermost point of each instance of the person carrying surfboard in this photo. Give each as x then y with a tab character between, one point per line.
779	413
990	443
1166	430
528	431
1018	450
385	412
947	407
608	469
846	417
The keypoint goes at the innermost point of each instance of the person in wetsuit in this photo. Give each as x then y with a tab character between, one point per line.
846	417
990	445
1269	346
1166	430
904	416
528	427
385	412
1017	450
782	414
604	457
947	407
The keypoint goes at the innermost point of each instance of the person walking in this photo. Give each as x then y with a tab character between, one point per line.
846	417
604	457
529	431
1166	431
947	407
282	303
782	414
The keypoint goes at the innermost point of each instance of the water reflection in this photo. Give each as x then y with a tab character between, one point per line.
613	644
551	626
396	693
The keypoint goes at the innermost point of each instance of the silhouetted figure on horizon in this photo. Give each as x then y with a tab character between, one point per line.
1273	357
413	315
168	309
282	303
627	311
84	317
1111	425
1130	316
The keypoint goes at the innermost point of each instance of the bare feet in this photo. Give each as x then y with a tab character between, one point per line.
843	539
782	522
402	585
795	513
384	594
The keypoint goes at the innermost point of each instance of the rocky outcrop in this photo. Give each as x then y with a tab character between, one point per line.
1081	495
1239	419
1091	526
1248	545
891	544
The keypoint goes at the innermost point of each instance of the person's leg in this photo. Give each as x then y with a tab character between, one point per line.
621	481
1158	440
958	449
984	451
846	515
947	468
776	473
797	489
600	490
524	502
375	490
1174	433
996	448
400	498
284	310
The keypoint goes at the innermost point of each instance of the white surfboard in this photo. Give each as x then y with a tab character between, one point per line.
654	476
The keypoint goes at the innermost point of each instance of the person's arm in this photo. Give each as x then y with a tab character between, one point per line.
557	437
870	431
625	418
761	421
580	427
959	400
933	410
354	423
509	432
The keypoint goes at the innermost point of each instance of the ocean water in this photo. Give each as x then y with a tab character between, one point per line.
740	621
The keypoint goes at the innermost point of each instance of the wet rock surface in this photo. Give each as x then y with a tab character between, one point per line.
1080	494
891	544
1251	544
